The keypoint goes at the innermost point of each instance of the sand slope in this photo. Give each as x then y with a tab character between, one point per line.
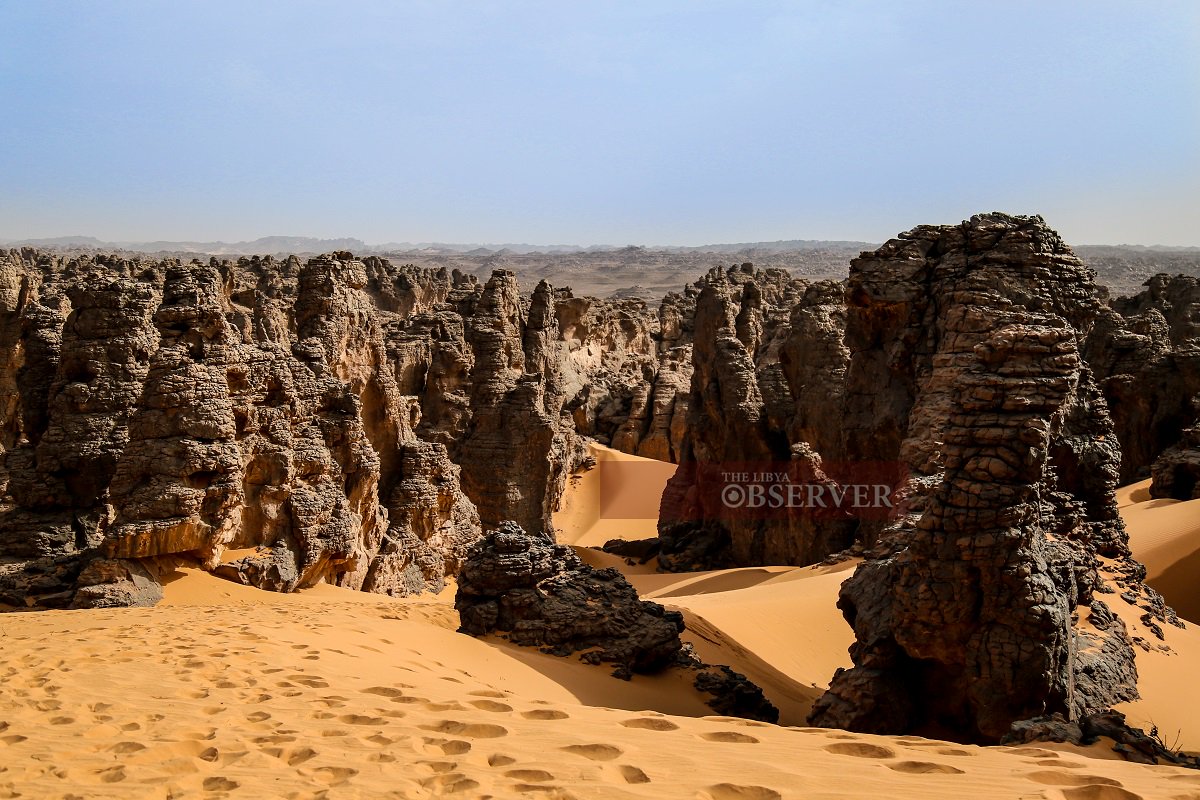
325	695
618	499
223	690
1165	536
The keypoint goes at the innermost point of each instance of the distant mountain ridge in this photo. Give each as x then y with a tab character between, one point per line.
274	245
271	245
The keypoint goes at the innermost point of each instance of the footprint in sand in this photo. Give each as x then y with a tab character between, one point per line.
447	747
477	730
122	748
545	714
219	784
451	706
334	776
924	768
298	755
450	783
111	774
383	691
1054	778
954	751
488	693
632	774
491	705
860	750
361	719
381	740
651	724
530	775
729	737
733	791
278	738
1100	792
439	767
500	760
595	752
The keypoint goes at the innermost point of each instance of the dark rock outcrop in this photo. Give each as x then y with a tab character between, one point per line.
1176	472
965	368
1145	352
1128	742
536	593
542	594
768	370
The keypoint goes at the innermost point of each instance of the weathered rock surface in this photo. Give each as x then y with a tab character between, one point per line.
195	409
1145	352
536	593
542	594
965	367
341	419
1128	742
766	393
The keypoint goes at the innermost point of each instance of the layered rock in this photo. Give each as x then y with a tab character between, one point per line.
768	366
978	606
344	420
1145	351
197	409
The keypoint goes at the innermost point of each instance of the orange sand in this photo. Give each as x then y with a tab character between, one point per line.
1165	536
616	500
223	690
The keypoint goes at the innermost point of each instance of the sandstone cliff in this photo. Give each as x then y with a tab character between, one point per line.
982	602
766	394
281	423
1146	351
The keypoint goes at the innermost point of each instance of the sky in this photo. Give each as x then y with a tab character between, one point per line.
640	122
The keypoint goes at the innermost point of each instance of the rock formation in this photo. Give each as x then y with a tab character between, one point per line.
539	593
980	604
341	419
536	593
1128	742
1145	352
177	411
766	394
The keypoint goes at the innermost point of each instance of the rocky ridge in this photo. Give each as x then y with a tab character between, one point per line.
284	423
1145	350
765	394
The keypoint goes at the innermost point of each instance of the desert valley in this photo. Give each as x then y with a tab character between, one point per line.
341	526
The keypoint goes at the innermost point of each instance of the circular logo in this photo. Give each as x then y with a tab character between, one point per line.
733	496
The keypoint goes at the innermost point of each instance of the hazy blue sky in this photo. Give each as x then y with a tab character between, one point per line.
599	122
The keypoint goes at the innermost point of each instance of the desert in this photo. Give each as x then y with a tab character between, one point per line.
743	400
345	528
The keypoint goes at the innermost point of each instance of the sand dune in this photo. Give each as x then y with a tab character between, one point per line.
1165	536
223	690
616	500
327	695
